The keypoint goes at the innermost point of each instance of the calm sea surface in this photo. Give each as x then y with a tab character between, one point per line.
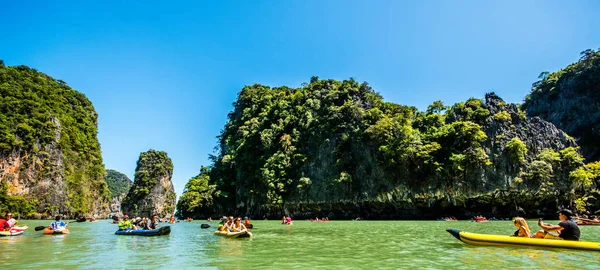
304	245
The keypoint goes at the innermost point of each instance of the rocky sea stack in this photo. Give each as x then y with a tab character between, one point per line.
50	161
152	191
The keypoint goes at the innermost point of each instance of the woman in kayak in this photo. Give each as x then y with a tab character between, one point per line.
238	226
523	228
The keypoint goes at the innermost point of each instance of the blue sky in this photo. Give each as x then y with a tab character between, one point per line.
163	74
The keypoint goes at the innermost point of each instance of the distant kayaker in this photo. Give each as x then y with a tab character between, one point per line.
522	228
246	221
238	226
125	223
567	229
58	224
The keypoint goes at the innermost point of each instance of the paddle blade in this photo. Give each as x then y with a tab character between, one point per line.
39	228
204	226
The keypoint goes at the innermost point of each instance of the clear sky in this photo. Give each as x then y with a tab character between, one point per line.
163	74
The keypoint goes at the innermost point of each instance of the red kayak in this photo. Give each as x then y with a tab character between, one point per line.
11	232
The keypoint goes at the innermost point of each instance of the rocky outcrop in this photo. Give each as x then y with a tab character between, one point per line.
39	175
507	121
152	191
570	98
50	157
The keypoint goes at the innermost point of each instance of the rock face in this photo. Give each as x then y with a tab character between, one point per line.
152	191
536	133
570	99
49	151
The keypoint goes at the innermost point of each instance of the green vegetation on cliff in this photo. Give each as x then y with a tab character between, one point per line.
197	195
49	130
337	146
570	98
118	183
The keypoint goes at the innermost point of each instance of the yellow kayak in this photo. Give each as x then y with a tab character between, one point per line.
244	234
504	240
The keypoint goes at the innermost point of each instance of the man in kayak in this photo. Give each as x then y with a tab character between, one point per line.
4	225
246	221
567	229
125	224
58	224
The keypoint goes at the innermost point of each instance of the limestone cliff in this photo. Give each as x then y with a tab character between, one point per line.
49	151
570	99
337	147
152	191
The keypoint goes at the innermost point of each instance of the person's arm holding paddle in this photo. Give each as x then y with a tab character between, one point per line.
549	227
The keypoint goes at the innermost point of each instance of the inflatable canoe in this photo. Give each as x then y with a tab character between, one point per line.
166	230
504	240
244	234
50	231
11	232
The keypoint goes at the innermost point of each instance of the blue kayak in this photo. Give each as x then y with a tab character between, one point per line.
166	230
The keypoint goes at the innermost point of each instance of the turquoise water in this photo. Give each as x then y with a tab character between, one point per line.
304	245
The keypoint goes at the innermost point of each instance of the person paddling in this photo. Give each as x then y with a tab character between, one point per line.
567	229
58	224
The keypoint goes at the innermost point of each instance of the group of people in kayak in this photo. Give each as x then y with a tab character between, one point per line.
231	224
567	229
136	223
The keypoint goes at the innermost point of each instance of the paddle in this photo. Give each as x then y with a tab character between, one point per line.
204	226
39	228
